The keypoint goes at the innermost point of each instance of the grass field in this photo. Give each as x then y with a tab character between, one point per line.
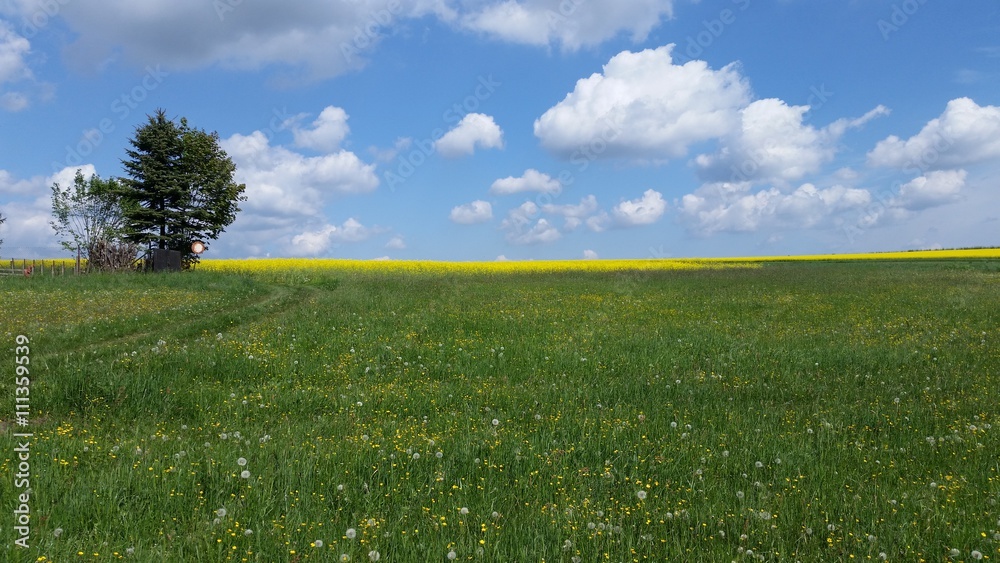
777	411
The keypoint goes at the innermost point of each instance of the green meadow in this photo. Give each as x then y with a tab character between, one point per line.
834	411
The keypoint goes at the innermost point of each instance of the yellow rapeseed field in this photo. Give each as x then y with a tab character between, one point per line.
548	266
429	266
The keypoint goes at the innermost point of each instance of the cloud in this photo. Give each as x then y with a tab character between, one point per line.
644	106
521	226
14	69
475	130
541	232
286	183
590	255
965	134
935	188
314	39
306	40
13	50
575	215
572	24
531	181
773	144
319	241
472	213
733	207
396	243
287	193
327	131
643	211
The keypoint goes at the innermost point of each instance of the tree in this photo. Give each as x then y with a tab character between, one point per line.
179	186
86	212
2	219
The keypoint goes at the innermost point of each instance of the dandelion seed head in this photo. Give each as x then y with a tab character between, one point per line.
351	533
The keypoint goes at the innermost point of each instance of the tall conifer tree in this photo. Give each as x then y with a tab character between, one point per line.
179	186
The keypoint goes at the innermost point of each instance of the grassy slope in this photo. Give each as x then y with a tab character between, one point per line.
832	376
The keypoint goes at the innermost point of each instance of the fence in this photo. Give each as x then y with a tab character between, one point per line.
35	267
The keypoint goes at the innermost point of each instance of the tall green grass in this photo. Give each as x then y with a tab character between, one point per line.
797	412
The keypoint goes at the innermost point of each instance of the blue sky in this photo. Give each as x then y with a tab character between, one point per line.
526	129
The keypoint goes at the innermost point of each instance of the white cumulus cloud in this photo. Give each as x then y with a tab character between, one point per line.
14	69
326	133
965	134
478	211
541	232
476	130
13	50
574	215
283	182
772	143
935	188
321	240
645	106
396	243
523	226
287	193
734	207
531	181
643	211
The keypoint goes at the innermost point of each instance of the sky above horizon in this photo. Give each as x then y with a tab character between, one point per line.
526	129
